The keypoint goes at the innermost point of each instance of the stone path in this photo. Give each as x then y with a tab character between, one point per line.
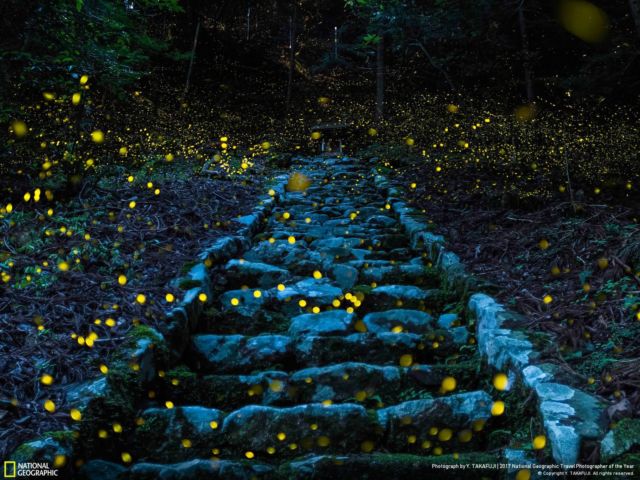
328	353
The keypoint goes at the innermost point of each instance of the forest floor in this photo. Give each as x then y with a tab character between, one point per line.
84	274
568	268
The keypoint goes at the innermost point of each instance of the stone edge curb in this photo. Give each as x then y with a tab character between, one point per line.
570	416
142	350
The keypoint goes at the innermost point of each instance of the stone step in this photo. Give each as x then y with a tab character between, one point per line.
273	310
349	382
407	273
201	469
402	296
220	354
239	272
382	348
378	466
385	466
241	354
397	254
382	237
184	433
398	320
291	299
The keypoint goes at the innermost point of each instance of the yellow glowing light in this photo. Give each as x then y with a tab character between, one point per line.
500	381
497	408
406	360
448	384
19	128
584	20
298	182
525	113
539	442
97	136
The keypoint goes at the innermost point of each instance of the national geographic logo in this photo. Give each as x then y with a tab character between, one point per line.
27	469
9	469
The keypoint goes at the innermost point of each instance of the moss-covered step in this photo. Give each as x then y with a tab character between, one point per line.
406	273
403	296
224	354
183	433
385	466
350	382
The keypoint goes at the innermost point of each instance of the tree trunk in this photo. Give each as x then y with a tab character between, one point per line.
292	57
193	56
380	79
248	18
526	60
634	5
434	65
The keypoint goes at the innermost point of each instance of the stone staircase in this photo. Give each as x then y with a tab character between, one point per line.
330	350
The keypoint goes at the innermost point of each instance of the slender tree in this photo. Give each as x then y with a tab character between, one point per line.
380	78
526	59
193	56
634	6
292	56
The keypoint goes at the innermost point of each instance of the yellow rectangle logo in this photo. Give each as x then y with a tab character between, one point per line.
9	469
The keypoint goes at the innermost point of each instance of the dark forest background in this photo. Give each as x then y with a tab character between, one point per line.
132	132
